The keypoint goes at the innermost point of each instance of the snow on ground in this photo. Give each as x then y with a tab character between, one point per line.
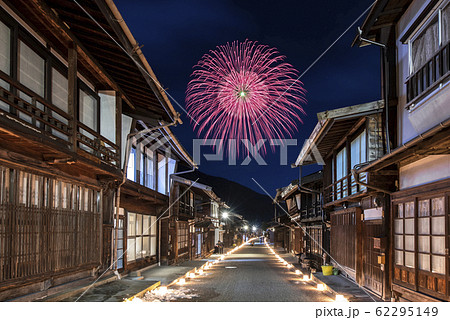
169	295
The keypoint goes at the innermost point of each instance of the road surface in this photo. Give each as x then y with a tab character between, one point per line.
250	274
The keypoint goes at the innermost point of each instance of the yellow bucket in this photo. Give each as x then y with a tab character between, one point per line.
327	270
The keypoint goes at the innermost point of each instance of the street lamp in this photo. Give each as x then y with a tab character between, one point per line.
254	229
225	214
245	228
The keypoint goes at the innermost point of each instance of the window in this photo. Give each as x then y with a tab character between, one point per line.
186	201
108	115
171	163
60	94
141	236
430	235
162	179
358	154
341	172
88	110
183	236
5	48
424	45
131	171
149	175
31	75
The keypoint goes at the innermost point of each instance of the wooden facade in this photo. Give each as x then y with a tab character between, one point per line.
417	232
69	97
193	222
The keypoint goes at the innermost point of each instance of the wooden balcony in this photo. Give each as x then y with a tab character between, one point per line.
340	191
430	75
26	109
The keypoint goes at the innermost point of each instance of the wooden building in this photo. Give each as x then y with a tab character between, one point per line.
416	73
73	86
357	204
304	227
192	226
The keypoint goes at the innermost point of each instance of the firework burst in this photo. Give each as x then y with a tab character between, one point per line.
244	90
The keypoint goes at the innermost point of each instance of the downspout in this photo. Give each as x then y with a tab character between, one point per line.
124	179
386	87
170	206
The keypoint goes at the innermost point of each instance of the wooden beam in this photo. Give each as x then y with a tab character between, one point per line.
119	125
72	93
48	18
351	110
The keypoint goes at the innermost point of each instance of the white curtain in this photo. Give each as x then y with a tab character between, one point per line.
108	115
60	94
161	174
425	45
5	48
31	69
126	128
88	110
446	25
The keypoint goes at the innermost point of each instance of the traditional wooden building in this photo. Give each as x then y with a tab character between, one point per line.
73	85
357	203
193	223
416	36
308	232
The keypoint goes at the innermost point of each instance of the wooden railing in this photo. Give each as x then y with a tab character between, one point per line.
340	190
313	211
24	106
430	74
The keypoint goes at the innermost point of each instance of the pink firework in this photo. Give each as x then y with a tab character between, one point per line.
244	91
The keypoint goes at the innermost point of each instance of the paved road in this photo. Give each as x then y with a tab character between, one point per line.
251	274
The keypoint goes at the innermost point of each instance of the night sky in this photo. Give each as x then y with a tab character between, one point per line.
176	34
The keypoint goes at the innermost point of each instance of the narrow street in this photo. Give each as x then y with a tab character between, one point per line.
251	274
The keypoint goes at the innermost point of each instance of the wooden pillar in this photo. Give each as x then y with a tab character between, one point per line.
359	270
119	126
73	94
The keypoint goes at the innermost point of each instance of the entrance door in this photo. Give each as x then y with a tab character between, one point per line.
372	274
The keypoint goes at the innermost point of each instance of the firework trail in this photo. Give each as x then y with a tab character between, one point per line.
238	83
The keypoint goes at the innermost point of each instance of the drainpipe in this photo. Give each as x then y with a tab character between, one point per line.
385	88
124	179
170	206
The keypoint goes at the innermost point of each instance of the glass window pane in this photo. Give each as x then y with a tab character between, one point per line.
146	225
131	172
409	226
446	24
409	243
424	262
149	179
425	45
438	264
438	245
5	48
153	226
31	69
60	90
138	247
88	110
131	224
138	224
161	174
424	208
409	210
424	225
398	226
145	247
108	115
424	244
152	246
400	210
437	206
398	242
409	259
399	257
131	249
438	225
171	169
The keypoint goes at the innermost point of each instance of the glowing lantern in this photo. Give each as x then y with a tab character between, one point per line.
340	298
320	287
182	281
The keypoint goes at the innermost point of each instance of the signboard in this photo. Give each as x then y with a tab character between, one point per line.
373	214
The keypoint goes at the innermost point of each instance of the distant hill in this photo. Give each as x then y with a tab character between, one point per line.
254	206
